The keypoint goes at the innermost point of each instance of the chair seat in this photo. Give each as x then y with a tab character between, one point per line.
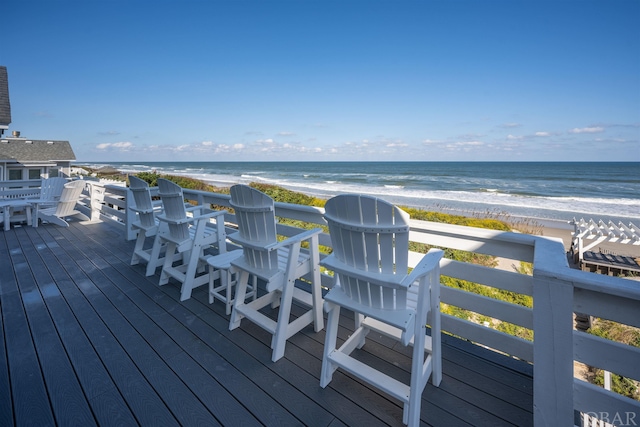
401	319
271	275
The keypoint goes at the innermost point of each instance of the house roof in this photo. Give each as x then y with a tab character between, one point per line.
5	106
27	150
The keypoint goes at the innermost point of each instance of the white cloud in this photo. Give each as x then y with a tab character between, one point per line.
542	134
207	143
286	133
463	145
397	144
595	129
121	146
514	137
511	125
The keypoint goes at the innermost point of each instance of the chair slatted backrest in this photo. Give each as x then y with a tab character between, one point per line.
255	214
70	195
142	198
370	235
174	208
51	188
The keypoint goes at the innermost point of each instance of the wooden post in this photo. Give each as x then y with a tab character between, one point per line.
552	352
129	216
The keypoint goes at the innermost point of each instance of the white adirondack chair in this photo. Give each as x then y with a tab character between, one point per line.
189	236
370	240
65	206
279	264
50	192
147	226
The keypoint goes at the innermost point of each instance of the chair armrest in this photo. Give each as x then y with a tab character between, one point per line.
189	219
428	262
212	214
143	211
300	237
337	266
254	244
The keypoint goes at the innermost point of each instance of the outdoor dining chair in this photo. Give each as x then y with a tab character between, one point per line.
146	224
188	235
370	240
279	264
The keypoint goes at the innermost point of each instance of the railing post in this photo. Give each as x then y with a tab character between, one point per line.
552	352
96	197
129	216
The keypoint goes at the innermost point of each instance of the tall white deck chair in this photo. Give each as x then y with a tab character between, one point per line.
279	264
50	192
66	206
146	224
188	236
370	240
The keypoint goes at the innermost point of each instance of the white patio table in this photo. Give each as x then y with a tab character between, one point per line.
12	211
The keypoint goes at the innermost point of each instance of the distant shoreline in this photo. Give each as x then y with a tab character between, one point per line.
561	229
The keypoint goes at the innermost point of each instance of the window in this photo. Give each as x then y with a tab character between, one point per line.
34	173
54	173
15	174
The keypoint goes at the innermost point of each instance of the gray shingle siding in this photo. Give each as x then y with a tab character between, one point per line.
5	105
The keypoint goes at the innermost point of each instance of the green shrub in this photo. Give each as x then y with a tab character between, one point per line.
283	195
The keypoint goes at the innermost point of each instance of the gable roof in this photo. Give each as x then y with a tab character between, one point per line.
26	150
5	106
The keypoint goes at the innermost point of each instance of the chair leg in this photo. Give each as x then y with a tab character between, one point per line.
135	258
411	413
316	289
168	263
279	339
358	318
241	292
330	341
436	334
154	258
193	262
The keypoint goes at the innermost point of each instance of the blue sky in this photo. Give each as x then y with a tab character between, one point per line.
133	80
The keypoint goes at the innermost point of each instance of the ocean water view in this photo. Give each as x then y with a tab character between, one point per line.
550	193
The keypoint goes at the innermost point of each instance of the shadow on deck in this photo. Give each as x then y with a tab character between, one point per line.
87	339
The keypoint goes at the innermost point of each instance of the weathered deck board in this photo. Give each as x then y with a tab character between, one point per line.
88	339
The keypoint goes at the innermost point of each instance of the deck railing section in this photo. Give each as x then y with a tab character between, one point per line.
18	189
560	291
557	290
108	202
513	246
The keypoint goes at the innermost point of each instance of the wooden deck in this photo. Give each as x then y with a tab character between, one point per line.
87	339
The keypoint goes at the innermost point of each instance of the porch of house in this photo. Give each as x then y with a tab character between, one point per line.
88	339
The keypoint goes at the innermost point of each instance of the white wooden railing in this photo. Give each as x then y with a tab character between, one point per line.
18	189
557	290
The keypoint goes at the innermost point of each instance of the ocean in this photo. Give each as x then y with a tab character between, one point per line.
550	193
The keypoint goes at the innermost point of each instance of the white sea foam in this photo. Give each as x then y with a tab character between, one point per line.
424	191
